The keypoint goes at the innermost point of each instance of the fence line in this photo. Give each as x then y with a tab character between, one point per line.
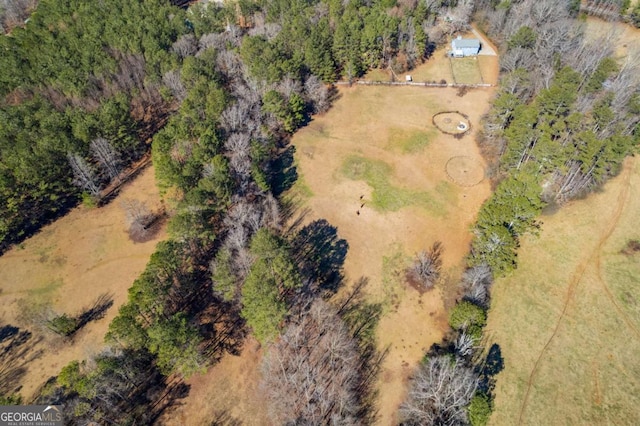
410	83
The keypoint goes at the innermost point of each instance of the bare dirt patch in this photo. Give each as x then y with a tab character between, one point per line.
64	269
568	319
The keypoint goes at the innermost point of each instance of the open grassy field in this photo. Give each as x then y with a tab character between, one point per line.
63	269
379	143
568	320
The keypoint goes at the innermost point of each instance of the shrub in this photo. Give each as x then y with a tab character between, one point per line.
632	246
63	325
479	410
466	315
12	399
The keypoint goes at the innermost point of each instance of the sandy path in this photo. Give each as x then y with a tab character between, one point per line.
488	48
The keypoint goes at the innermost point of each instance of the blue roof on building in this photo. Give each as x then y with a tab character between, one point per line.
466	43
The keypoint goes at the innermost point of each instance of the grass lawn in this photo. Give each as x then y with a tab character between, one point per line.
568	319
466	70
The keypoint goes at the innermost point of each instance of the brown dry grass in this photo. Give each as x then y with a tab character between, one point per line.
66	267
625	37
437	68
568	320
227	394
364	123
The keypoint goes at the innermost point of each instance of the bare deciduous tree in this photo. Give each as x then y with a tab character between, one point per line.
476	282
238	146
425	270
234	117
317	93
215	40
464	345
311	375
139	218
106	156
441	390
172	80
83	175
186	45
14	12
269	30
271	216
288	86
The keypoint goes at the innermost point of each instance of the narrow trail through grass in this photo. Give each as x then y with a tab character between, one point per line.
595	254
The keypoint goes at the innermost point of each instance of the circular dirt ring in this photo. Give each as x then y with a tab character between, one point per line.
452	122
464	170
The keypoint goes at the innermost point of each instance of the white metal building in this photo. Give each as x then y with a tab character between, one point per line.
461	47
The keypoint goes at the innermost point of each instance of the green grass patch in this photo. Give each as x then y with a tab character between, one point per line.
386	196
409	141
466	70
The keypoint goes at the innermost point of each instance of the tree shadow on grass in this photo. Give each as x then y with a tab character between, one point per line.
223	331
284	172
224	418
492	365
17	350
96	311
362	319
67	326
321	253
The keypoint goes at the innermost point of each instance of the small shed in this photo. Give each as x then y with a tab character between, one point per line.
408	78
461	47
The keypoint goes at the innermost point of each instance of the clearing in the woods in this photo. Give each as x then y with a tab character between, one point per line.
375	167
64	269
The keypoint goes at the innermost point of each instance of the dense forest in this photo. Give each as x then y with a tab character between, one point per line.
214	93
